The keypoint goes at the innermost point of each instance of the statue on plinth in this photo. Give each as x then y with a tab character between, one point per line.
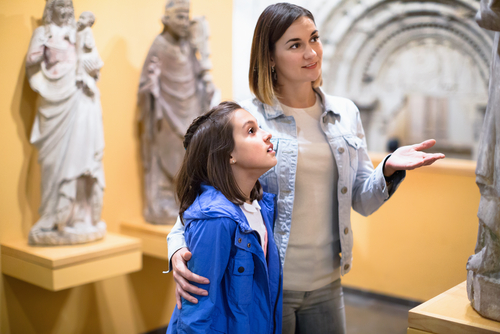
483	276
62	66
175	88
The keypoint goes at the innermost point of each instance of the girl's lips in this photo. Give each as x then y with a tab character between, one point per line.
310	66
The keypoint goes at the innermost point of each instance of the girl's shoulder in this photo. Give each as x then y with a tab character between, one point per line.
212	205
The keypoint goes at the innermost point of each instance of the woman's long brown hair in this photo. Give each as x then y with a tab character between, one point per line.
209	142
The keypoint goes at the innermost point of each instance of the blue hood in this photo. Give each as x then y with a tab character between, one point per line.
212	204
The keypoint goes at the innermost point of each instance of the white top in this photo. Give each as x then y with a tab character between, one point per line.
254	218
312	256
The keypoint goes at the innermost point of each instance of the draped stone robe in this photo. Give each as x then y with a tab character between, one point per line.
169	101
67	132
483	280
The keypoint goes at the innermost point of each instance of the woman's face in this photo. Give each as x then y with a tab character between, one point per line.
253	151
298	53
62	11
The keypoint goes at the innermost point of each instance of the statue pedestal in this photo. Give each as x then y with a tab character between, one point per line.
60	267
450	312
153	237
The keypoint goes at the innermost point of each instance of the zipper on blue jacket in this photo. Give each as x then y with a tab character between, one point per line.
279	289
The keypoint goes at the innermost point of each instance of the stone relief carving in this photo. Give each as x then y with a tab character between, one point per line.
63	65
175	88
483	276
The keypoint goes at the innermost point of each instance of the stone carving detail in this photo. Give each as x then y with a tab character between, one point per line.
63	66
175	88
483	276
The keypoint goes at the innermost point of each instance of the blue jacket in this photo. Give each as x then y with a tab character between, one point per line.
245	290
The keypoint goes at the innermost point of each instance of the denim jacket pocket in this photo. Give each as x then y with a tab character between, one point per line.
241	278
353	145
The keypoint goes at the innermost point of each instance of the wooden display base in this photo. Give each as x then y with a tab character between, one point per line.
61	267
153	237
450	312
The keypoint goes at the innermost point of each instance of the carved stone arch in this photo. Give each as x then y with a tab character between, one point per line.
363	38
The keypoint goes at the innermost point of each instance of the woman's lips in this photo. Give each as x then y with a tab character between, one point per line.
311	66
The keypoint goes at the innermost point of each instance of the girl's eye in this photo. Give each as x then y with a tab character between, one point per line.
315	38
251	130
295	46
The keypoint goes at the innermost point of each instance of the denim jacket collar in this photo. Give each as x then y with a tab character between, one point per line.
275	110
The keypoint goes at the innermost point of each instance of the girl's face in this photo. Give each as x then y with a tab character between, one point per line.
298	53
253	151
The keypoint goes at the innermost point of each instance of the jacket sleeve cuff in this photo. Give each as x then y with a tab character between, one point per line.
391	183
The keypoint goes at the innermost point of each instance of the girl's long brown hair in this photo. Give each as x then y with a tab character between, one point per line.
209	142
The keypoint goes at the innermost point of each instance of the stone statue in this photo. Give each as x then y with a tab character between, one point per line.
175	88
63	65
483	276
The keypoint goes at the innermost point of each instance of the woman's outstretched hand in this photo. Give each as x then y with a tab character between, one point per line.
182	276
411	157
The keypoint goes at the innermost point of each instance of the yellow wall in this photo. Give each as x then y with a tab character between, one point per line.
417	244
124	31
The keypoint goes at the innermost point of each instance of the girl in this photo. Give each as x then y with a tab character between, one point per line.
227	221
323	171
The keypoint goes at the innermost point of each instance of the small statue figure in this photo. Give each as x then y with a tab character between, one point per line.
89	62
483	276
175	88
62	65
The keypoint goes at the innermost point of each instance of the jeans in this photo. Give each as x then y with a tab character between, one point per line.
320	311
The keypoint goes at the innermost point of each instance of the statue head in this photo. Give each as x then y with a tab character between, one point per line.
85	20
176	18
59	12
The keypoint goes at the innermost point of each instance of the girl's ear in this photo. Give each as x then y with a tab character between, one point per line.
232	161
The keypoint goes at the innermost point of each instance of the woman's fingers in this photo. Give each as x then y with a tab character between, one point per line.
182	276
179	265
187	286
424	145
178	298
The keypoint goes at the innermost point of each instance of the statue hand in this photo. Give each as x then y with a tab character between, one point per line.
411	157
154	72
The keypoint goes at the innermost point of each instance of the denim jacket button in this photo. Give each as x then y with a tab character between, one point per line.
341	150
249	245
241	269
343	190
239	240
346	230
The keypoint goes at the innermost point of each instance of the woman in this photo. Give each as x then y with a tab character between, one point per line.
228	221
323	171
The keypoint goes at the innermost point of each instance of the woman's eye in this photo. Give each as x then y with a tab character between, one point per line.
251	130
295	46
315	39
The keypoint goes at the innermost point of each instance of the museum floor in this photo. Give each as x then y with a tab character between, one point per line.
367	314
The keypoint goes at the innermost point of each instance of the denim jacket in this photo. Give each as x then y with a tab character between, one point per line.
359	185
